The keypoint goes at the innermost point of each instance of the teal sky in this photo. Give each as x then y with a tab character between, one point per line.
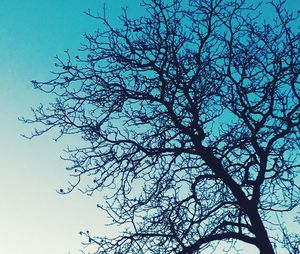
34	219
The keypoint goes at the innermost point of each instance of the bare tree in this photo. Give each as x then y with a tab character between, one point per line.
190	115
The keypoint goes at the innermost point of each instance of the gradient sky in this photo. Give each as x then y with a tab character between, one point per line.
34	219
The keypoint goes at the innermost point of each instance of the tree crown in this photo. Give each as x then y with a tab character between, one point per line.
191	117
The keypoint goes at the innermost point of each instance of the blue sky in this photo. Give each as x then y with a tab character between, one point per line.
34	219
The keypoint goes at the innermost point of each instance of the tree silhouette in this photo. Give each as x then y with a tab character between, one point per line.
190	117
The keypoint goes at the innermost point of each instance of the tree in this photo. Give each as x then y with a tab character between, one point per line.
190	116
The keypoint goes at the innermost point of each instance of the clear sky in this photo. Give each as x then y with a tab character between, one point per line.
34	219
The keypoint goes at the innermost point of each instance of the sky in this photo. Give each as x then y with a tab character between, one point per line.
34	218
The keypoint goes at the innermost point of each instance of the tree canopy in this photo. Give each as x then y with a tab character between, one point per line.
190	116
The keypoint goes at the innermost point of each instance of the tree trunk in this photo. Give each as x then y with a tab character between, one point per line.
263	241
